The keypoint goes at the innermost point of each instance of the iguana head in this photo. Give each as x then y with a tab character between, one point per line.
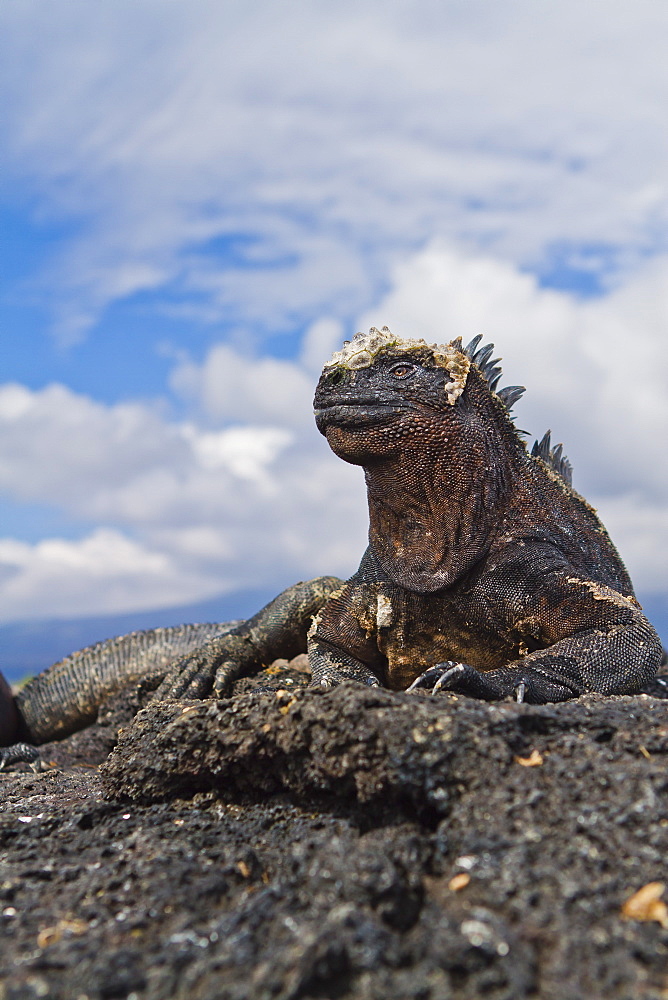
380	389
438	448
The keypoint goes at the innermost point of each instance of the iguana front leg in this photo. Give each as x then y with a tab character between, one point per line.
330	665
601	641
340	640
278	630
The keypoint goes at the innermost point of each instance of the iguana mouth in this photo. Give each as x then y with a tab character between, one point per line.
356	413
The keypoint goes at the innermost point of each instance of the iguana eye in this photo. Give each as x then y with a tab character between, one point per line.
402	370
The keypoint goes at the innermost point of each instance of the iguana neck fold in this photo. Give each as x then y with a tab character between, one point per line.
429	512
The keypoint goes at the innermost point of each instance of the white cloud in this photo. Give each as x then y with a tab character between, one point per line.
640	528
245	451
61	447
328	141
595	369
105	570
183	510
320	341
229	386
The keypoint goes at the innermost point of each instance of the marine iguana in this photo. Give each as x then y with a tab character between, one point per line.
486	573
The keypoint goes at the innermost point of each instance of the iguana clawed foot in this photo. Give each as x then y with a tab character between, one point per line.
20	753
522	684
331	666
208	672
459	678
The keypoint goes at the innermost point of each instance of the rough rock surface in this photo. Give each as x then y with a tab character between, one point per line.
348	843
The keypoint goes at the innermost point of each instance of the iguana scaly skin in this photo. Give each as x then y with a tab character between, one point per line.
485	573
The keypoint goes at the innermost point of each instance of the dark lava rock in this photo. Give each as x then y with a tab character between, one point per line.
348	843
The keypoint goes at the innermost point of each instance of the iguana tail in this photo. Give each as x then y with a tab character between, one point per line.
192	661
67	695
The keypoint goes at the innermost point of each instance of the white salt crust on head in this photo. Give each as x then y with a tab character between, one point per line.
363	349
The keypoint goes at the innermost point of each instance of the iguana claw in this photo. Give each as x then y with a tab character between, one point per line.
427	679
520	691
463	679
20	753
459	677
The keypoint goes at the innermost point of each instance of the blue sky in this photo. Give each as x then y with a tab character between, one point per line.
200	201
